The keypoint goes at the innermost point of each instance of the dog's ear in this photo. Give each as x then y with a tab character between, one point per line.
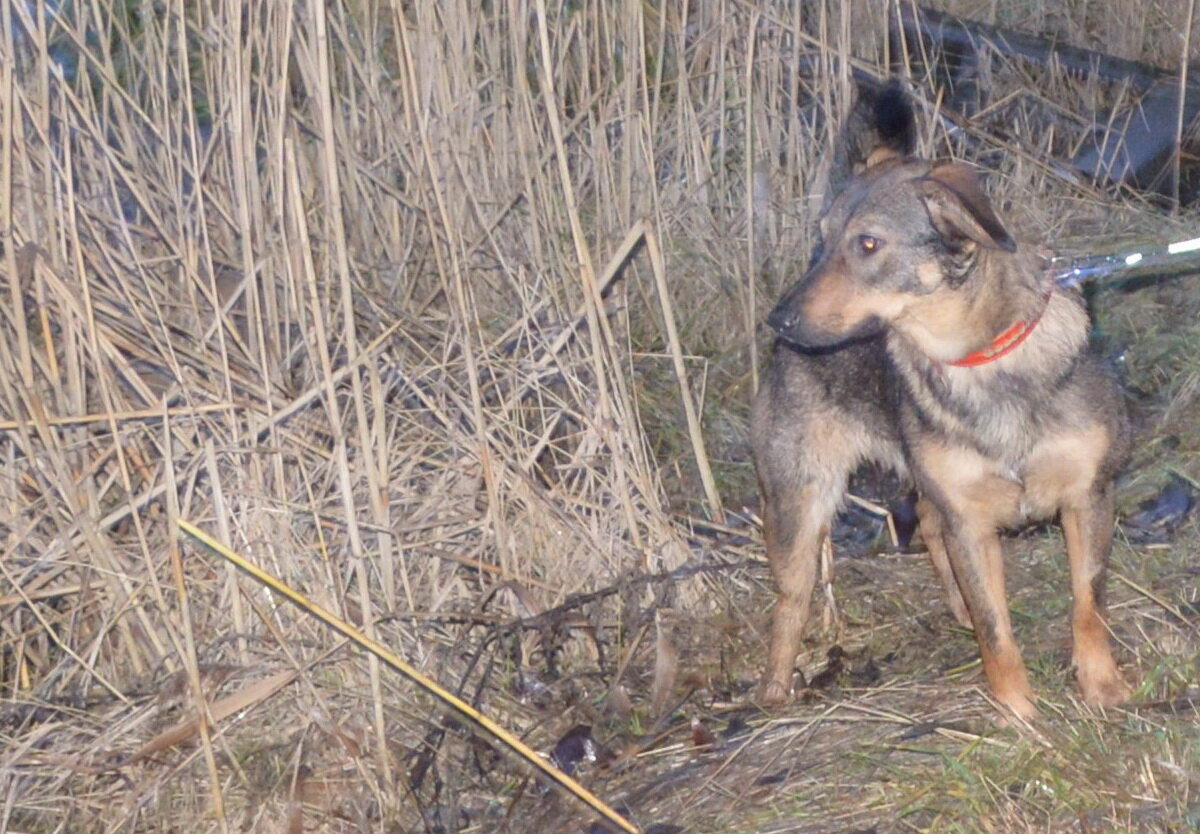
959	209
895	121
880	126
892	122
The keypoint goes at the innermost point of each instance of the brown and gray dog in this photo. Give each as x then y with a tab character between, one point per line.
925	338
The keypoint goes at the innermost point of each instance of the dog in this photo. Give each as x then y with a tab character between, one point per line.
923	337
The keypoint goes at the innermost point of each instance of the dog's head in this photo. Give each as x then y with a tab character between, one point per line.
902	237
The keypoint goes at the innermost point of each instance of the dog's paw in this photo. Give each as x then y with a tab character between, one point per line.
1023	708
772	694
1099	680
1105	691
1017	701
1017	713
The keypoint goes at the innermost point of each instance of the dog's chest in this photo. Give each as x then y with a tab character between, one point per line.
997	417
1008	432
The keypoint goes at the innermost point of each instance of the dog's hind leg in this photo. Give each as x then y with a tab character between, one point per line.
1087	529
933	534
796	524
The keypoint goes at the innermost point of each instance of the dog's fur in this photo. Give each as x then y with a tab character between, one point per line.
914	272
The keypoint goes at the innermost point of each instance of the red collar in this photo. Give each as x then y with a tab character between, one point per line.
1004	344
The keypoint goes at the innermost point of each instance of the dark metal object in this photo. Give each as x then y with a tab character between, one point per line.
1137	145
963	37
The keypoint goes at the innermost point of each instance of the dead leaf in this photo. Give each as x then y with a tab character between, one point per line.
219	710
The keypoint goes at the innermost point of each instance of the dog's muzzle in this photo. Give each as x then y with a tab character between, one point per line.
792	326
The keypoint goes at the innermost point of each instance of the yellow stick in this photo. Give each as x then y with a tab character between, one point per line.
444	695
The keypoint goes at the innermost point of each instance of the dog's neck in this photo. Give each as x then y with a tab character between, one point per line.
982	320
1009	339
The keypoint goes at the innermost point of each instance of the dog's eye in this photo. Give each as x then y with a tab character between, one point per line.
868	245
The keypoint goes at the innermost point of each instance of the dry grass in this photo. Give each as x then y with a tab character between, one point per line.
447	313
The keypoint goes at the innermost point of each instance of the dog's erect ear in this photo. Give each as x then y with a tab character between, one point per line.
959	209
880	126
895	121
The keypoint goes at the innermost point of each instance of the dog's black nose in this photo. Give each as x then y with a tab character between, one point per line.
781	320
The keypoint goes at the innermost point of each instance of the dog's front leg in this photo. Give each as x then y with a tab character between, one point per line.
972	500
795	524
1087	528
978	562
